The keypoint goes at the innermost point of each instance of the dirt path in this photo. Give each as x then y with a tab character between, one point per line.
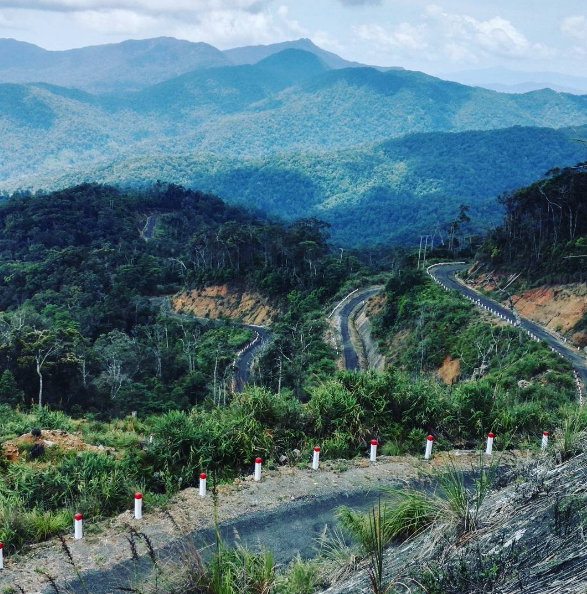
302	500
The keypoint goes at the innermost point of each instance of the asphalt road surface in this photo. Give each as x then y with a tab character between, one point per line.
351	358
288	530
149	228
445	274
245	358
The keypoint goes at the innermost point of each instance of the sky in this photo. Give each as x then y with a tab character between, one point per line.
436	37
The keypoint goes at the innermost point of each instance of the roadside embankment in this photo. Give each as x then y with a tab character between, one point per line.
258	511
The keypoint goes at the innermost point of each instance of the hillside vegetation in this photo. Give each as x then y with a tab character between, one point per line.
288	102
544	230
78	323
389	192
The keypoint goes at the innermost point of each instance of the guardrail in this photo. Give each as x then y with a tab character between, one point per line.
507	319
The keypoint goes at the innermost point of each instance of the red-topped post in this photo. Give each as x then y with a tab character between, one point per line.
78	531
138	506
257	476
489	448
316	459
373	455
203	484
428	452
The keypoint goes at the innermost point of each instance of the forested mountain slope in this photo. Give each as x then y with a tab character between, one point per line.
391	191
255	53
289	102
544	230
78	322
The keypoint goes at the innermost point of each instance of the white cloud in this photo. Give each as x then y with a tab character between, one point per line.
496	36
458	38
230	28
404	36
139	6
575	26
361	2
116	21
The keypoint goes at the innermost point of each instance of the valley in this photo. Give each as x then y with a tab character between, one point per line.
325	323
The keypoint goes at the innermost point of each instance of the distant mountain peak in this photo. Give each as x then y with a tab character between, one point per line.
130	65
255	53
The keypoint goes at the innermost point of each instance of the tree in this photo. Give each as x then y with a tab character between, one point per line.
9	390
120	357
46	347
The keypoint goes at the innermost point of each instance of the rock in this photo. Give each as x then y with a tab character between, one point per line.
282	459
237	481
296	453
523	384
11	452
48	443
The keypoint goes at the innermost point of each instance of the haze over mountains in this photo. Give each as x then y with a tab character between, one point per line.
133	65
187	112
516	81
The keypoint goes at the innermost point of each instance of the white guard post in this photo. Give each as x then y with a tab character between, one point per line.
257	475
138	506
316	459
429	442
489	449
373	455
78	531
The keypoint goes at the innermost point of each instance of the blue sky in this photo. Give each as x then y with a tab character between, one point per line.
418	34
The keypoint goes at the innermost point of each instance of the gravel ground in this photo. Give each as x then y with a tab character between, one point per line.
280	492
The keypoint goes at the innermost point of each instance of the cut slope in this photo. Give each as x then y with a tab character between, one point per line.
225	301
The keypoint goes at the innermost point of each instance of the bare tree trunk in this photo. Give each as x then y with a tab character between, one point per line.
40	374
215	378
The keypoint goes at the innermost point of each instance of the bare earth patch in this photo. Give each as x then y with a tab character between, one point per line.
449	370
558	308
219	301
48	438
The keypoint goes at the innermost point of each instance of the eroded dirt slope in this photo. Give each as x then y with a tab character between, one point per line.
219	301
558	307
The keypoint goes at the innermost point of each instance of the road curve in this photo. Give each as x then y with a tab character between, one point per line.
350	355
244	358
149	227
445	274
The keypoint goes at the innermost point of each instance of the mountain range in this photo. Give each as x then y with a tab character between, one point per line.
288	128
517	81
133	65
387	192
288	102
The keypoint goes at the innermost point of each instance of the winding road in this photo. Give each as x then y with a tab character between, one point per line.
345	310
445	275
244	358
